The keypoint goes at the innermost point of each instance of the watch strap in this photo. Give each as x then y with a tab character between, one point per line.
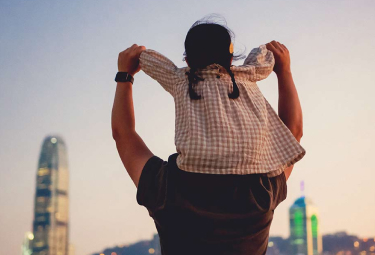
124	77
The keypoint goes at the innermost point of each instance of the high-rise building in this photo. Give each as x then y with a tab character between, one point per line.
51	208
305	234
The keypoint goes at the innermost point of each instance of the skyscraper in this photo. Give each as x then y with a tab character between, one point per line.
51	214
305	234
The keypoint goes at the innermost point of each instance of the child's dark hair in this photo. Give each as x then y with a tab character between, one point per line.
207	43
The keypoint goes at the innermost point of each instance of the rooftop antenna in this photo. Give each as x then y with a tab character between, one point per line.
302	185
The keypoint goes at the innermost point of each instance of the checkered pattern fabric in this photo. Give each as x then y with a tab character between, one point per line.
219	135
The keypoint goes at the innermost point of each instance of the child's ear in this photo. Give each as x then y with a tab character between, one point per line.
231	59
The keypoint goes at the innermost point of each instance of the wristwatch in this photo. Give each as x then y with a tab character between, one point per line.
124	77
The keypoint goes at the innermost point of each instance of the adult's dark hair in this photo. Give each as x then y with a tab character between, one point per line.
207	42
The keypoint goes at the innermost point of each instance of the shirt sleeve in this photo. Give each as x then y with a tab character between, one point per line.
262	60
160	68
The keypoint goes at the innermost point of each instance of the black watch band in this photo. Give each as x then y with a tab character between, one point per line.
124	77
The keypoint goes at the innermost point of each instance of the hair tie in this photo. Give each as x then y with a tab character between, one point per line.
231	48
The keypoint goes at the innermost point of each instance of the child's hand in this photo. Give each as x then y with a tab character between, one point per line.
128	60
282	58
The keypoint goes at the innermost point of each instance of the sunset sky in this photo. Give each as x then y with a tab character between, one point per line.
58	61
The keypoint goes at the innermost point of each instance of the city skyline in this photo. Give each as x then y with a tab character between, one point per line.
339	243
58	61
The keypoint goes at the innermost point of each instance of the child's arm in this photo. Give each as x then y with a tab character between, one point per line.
161	69
290	111
132	150
261	61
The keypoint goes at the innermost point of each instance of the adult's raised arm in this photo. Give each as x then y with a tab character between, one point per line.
132	150
289	107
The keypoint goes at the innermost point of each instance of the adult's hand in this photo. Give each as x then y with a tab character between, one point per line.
128	60
282	57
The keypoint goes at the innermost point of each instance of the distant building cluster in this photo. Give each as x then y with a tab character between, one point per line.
140	248
333	244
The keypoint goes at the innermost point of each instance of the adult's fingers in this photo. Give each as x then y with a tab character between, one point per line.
276	45
133	50
140	49
136	51
270	47
126	50
285	48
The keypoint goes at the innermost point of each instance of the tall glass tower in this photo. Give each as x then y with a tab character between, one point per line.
305	234
51	214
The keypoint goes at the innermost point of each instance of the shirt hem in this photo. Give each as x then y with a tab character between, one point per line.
270	173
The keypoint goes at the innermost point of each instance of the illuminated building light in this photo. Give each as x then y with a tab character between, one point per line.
30	236
372	248
298	241
102	254
365	239
270	244
363	253
43	171
113	253
151	251
356	244
53	140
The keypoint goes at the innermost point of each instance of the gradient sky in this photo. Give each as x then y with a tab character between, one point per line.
58	60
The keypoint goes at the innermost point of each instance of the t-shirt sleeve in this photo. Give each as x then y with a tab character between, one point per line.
262	61
160	68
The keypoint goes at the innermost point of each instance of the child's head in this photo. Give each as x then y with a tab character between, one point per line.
206	43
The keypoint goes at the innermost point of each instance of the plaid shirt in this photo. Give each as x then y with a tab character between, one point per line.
219	135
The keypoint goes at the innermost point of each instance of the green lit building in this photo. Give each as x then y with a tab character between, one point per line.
51	207
305	234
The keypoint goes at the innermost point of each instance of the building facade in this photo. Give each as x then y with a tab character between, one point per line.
305	234
51	207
